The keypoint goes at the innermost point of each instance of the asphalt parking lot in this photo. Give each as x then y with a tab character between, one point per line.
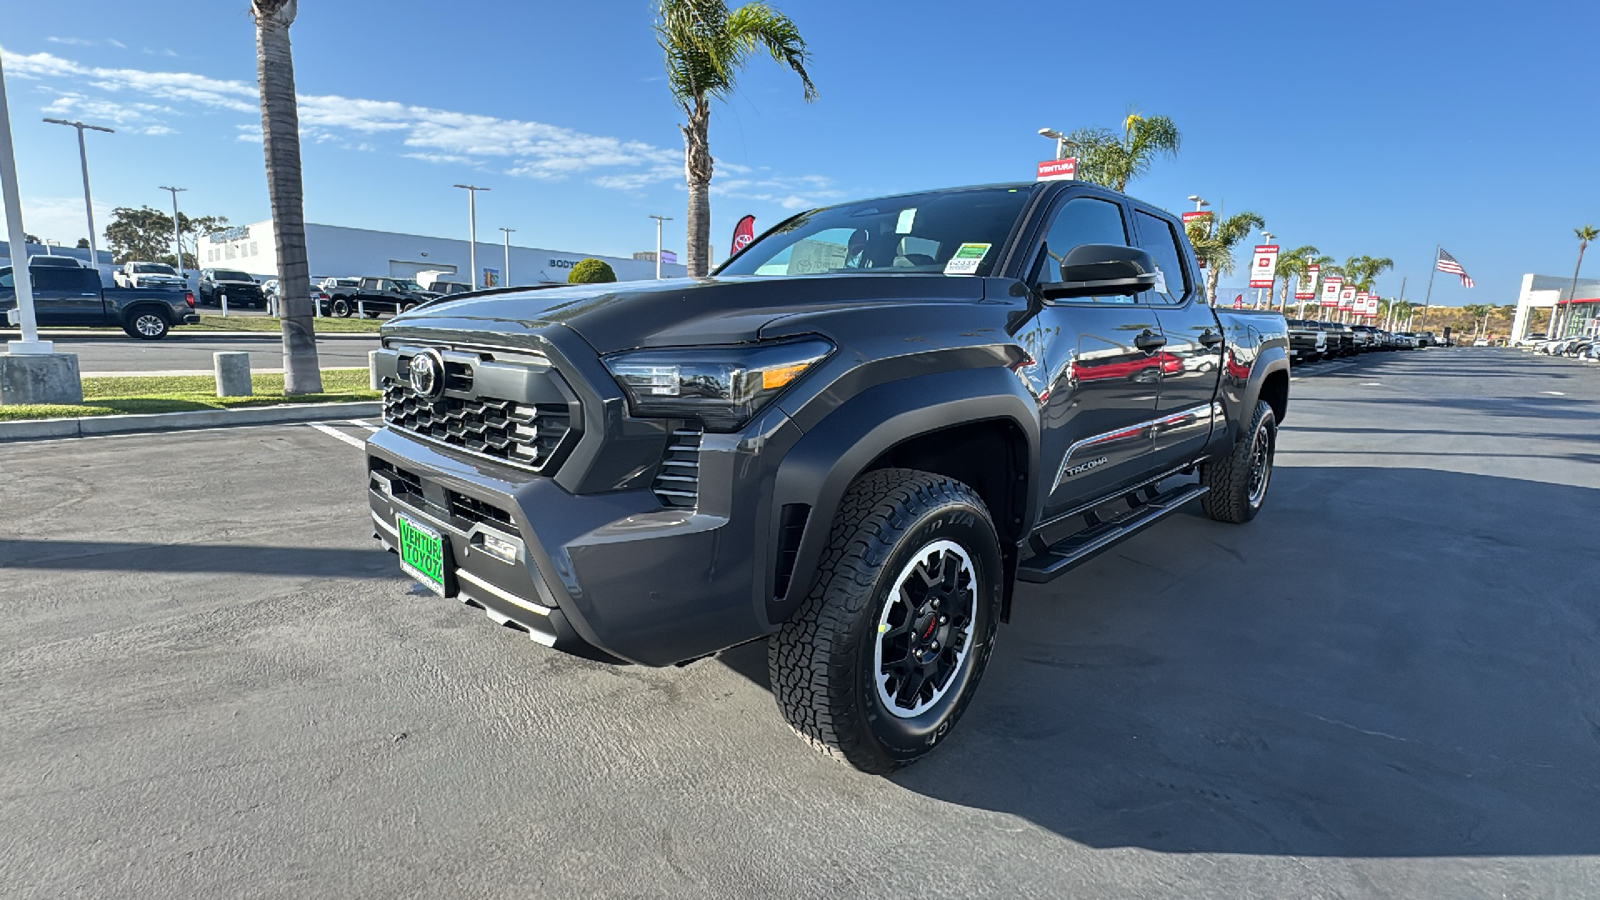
1385	686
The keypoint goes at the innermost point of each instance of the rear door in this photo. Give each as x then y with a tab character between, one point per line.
1192	358
1096	387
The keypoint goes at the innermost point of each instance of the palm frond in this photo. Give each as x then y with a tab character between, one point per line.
756	25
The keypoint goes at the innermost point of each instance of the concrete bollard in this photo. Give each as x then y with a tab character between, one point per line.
40	378
223	300
233	374
372	370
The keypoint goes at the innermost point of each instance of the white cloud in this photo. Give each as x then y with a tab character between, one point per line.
116	43
147	102
62	218
71	41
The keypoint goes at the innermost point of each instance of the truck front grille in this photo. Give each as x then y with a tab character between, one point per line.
519	433
677	483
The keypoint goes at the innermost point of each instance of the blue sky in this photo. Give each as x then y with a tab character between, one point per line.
1376	128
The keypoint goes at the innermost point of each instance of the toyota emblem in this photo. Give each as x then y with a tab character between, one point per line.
427	374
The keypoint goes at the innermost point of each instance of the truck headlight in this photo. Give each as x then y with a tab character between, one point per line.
723	387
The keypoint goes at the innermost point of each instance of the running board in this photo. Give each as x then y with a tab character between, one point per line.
1147	508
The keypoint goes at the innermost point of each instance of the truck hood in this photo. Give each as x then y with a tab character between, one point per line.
676	312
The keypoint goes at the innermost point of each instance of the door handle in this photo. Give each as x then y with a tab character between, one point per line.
1209	338
1149	340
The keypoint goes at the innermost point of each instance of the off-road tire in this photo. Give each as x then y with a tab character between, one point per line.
821	664
1232	497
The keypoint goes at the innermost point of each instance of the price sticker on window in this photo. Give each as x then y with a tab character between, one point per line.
966	259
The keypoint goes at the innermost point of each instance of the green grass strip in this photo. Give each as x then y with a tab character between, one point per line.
119	394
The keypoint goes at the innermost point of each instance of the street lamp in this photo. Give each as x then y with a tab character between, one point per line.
88	203
472	228
1198	203
507	274
177	244
659	220
1062	141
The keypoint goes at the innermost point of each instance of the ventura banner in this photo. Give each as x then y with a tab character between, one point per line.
1307	288
1330	291
1263	265
1347	298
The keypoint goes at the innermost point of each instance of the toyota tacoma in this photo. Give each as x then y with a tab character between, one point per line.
851	440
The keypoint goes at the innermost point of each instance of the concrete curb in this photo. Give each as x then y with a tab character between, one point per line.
282	414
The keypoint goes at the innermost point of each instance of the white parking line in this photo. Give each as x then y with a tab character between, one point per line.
336	433
360	424
1555	393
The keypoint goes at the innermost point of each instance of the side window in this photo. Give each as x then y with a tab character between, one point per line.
1084	220
1158	240
54	279
8	282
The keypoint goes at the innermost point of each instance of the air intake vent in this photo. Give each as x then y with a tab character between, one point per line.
677	483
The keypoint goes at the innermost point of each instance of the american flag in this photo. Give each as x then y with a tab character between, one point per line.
1447	263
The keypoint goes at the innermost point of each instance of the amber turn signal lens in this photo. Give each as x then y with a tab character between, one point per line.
772	379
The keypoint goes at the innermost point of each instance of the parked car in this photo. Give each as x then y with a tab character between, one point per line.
269	288
1341	340
73	296
242	290
1366	338
374	295
148	275
845	440
1307	340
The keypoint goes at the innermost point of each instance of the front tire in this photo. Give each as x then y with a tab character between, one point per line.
1238	482
881	661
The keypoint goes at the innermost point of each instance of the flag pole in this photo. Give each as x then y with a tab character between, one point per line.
1429	296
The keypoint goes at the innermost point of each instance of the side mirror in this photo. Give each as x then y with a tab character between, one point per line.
1100	270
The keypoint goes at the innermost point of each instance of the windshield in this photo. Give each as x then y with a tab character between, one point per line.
231	275
948	232
153	269
406	284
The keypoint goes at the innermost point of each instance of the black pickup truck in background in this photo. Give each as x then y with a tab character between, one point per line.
241	289
372	295
74	297
852	440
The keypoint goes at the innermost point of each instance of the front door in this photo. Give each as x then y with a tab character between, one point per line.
1096	387
67	295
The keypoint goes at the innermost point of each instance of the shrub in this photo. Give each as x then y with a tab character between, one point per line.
591	271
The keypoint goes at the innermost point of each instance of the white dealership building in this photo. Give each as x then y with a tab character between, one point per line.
333	250
1578	313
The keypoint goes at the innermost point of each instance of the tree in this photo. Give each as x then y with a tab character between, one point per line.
1585	234
1293	265
146	234
280	141
1478	311
1113	160
591	271
83	243
30	238
705	46
1213	246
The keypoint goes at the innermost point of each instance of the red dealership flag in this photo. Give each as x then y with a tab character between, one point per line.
743	234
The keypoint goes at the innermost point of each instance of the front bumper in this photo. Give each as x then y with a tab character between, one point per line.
612	575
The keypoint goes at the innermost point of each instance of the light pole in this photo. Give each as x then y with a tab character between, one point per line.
88	203
30	343
1267	237
1198	203
177	244
507	274
472	228
1063	143
659	220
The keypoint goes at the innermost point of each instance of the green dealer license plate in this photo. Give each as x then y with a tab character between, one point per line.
422	554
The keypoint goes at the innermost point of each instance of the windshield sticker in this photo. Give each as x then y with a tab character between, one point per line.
966	259
907	216
1161	281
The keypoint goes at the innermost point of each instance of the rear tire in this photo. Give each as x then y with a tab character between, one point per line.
340	307
1239	481
881	661
146	325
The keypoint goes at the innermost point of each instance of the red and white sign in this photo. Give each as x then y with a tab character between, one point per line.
1238	302
743	234
1347	298
1263	265
1330	291
1201	217
1360	307
1058	169
1307	288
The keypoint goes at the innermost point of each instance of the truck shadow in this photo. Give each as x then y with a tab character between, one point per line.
1388	662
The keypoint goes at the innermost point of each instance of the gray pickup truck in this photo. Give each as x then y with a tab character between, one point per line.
853	440
72	296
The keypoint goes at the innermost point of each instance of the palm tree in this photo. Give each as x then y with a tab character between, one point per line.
1214	243
1478	312
1292	265
1113	160
1585	233
280	140
706	45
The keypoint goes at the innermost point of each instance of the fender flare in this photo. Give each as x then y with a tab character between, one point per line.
1271	359
825	461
